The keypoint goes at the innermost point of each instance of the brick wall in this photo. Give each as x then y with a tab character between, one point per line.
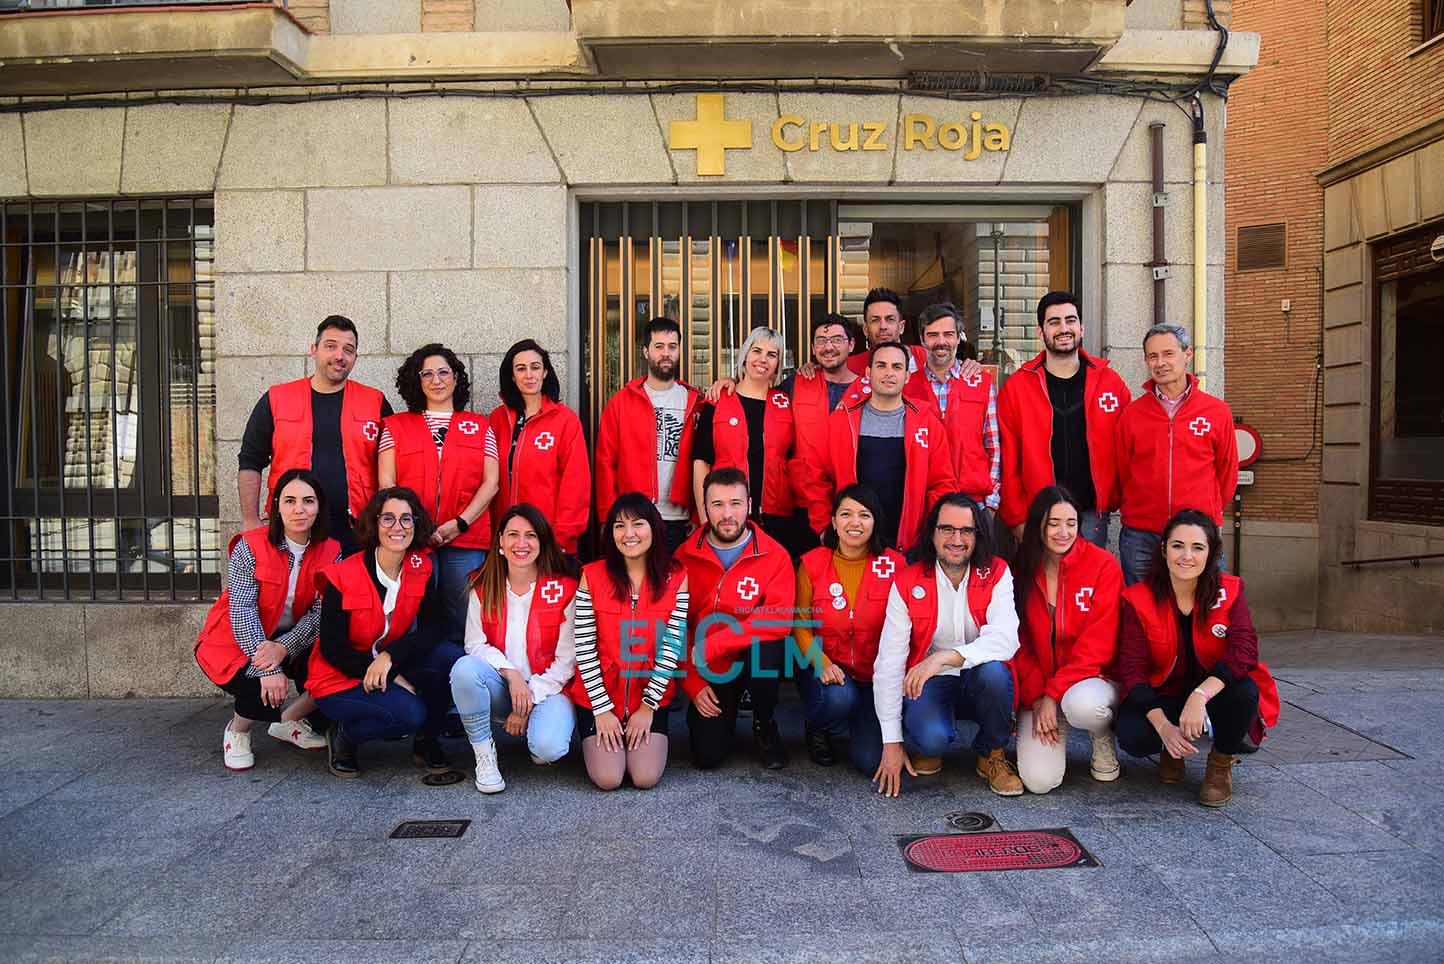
314	15
447	15
1376	90
1277	139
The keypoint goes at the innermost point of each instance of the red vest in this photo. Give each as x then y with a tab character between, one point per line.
809	417
730	442
550	469
445	485
549	601
1209	640
963	423
850	634
217	652
360	429
367	619
923	607
628	639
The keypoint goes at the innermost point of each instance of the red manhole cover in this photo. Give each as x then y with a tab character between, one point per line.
1004	850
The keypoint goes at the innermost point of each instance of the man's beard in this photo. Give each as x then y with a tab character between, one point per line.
657	371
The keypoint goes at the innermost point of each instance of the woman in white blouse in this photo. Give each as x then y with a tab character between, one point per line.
520	652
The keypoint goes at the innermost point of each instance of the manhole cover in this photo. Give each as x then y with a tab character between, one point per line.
969	821
444	779
422	829
1004	850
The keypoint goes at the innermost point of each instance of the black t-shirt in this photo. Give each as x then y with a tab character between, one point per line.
1070	436
755	410
328	460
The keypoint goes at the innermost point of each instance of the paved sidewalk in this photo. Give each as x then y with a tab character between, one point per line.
123	838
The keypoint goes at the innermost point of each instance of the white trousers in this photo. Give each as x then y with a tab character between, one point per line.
1089	705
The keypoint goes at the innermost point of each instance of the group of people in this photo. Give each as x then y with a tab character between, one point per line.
885	529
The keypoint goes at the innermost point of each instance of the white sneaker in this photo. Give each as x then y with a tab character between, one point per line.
488	777
1104	766
237	748
297	733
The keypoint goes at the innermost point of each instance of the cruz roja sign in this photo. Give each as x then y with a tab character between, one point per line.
711	135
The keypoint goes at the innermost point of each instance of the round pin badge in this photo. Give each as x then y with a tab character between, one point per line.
835	589
1220	630
839	603
919	592
732	421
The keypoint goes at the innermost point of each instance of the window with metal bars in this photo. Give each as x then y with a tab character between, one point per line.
1433	11
107	369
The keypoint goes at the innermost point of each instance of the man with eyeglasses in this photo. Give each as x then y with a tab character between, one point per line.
945	653
326	423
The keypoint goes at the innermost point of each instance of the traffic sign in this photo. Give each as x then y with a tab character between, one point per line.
1249	445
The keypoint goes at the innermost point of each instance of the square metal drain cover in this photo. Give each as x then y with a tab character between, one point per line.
422	829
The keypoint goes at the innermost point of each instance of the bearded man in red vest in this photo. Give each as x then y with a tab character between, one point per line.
326	423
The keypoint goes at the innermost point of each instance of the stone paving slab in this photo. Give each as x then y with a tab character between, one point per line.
123	839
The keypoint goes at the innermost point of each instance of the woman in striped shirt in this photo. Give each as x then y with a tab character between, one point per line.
519	650
637	594
447	455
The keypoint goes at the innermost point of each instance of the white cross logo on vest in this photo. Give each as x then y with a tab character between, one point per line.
468	428
545	440
747	589
551	591
985	572
415	562
882	567
1108	402
781	400
368	429
1222	595
921	436
973	380
1083	597
1200	426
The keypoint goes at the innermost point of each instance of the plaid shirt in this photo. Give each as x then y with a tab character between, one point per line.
941	388
245	613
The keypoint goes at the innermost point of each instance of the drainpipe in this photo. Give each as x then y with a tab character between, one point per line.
1159	265
1200	245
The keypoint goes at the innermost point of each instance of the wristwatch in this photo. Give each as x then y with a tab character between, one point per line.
461	524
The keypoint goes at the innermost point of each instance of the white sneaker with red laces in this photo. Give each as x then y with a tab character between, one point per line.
297	733
237	748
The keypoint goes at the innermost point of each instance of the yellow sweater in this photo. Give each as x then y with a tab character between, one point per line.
849	573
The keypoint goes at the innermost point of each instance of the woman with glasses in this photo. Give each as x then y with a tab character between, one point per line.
750	428
519	650
546	463
258	635
631	623
447	454
380	669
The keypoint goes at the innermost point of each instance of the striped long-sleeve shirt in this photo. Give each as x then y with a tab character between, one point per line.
589	666
246	614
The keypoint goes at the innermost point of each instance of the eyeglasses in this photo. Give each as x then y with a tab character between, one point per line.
390	520
838	340
440	375
947	532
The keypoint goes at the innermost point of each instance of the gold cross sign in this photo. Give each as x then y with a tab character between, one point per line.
711	135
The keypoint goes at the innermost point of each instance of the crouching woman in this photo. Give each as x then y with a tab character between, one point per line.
1188	661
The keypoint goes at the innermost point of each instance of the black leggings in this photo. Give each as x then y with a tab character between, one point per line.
1231	712
712	738
247	689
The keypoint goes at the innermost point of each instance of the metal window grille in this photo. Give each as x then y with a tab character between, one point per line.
1433	18
108	375
1261	246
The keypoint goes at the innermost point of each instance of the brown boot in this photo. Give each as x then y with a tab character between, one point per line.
926	766
1170	768
1002	778
1217	786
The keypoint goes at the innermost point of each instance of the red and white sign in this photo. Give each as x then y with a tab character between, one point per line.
1249	445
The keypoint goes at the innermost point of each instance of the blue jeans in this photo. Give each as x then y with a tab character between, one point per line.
849	703
451	572
384	715
479	689
983	694
1093	526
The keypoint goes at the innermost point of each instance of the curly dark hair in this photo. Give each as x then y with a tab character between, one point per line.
367	525
408	378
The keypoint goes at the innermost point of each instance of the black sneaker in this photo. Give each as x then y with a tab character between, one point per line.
769	745
819	746
428	754
341	754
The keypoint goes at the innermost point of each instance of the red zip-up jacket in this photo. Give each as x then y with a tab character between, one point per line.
929	466
782	471
627	445
1025	428
964	422
360	431
729	611
446	486
1078	640
810	411
551	470
1189	461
